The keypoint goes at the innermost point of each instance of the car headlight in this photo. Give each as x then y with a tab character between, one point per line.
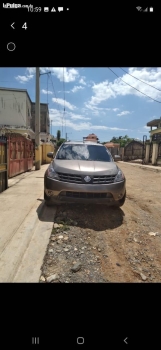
52	173
119	177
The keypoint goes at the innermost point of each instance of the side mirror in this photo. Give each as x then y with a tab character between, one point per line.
50	155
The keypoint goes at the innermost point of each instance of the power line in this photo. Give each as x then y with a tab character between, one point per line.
133	87
47	88
64	97
55	93
140	79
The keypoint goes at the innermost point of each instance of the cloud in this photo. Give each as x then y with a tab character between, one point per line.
46	92
106	89
57	120
78	117
95	108
124	113
60	101
31	70
68	74
82	81
146	127
115	109
67	92
77	88
23	79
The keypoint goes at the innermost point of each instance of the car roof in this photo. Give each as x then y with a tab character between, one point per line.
82	143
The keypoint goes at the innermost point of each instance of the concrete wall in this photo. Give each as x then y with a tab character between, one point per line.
133	151
28	112
121	152
46	148
44	118
13	105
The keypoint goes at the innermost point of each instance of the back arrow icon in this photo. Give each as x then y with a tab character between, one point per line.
12	25
125	340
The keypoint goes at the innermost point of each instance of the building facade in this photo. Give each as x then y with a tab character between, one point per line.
17	113
44	120
91	137
153	146
15	108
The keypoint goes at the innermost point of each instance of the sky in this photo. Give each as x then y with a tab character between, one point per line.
95	99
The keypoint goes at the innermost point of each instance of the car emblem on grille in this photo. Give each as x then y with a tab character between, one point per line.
87	179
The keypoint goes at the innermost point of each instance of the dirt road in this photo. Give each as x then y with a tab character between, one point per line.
100	244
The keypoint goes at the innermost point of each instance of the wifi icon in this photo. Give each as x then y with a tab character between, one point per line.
139	8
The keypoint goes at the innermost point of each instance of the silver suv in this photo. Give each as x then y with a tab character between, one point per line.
84	172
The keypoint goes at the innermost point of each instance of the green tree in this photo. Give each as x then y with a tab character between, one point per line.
58	144
58	135
122	140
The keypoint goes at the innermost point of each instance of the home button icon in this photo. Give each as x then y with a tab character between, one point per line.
80	340
11	46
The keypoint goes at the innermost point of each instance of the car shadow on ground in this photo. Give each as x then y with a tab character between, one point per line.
44	213
92	216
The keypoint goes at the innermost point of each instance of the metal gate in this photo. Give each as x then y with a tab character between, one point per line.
133	151
20	154
3	164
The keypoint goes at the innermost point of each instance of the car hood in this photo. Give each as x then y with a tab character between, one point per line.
85	167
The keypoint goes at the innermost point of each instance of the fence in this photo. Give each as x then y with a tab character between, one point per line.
20	154
133	151
3	164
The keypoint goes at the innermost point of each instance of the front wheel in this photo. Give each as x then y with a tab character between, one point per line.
121	201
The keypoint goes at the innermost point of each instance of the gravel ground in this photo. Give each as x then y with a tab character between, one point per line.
99	244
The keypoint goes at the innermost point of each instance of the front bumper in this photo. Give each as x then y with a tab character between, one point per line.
60	192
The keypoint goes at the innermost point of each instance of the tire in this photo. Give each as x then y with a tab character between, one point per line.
121	201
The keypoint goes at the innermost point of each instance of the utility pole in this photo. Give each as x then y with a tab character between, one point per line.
37	122
67	135
51	127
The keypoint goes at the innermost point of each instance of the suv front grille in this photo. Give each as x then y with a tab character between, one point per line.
70	178
85	195
105	179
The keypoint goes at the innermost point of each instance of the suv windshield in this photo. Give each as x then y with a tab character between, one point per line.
84	152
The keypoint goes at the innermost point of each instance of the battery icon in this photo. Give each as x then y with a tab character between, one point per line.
151	9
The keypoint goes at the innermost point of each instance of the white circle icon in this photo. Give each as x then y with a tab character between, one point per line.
80	340
11	46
